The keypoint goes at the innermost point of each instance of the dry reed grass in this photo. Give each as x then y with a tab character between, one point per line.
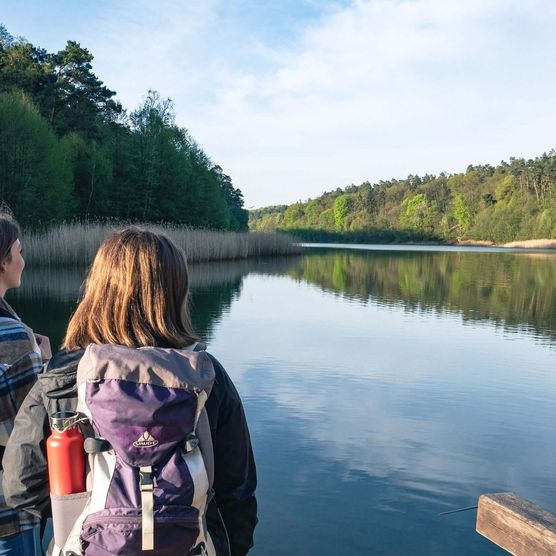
532	244
475	243
77	243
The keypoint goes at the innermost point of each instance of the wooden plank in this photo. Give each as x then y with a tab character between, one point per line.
517	525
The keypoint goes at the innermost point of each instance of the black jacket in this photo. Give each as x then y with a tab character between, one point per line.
232	514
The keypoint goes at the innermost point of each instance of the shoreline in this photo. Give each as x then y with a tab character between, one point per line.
518	244
475	247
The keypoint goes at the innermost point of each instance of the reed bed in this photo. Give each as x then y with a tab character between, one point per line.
77	243
475	243
519	244
532	244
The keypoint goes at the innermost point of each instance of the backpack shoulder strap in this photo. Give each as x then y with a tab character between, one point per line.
203	433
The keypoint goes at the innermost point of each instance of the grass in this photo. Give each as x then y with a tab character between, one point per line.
532	244
77	243
519	244
475	242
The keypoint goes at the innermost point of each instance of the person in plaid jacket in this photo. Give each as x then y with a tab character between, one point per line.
20	361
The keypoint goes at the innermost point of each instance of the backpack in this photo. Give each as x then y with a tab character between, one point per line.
149	453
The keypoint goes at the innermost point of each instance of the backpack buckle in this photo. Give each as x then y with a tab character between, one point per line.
200	550
146	479
191	442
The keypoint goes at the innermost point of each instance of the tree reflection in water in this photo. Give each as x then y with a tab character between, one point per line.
515	290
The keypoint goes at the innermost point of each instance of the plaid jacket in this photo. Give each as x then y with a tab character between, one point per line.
20	362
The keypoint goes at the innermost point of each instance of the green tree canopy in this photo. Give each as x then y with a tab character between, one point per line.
514	200
82	156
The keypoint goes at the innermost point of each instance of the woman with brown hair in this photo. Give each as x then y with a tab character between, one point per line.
20	362
135	295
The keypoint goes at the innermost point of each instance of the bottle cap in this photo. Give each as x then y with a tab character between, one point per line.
64	420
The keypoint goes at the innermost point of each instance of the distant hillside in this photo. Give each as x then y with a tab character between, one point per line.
514	200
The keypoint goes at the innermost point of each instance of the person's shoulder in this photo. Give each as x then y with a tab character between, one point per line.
64	360
59	376
12	329
223	387
219	372
6	310
16	340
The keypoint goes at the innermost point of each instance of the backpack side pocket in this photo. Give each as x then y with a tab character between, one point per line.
65	512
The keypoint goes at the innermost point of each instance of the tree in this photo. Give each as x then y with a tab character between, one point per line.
462	215
35	170
293	216
109	164
237	215
418	213
79	100
341	211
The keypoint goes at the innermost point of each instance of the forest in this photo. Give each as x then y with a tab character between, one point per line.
70	151
514	200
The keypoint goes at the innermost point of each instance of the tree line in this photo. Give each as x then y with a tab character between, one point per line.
69	150
513	200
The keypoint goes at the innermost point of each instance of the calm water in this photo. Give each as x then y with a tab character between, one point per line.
381	386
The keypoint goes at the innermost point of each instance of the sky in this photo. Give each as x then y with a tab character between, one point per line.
296	97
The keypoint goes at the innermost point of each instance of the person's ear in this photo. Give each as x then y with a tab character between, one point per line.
5	263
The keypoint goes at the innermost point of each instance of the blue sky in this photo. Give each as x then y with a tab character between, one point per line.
296	97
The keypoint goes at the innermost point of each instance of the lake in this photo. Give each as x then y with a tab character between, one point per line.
383	385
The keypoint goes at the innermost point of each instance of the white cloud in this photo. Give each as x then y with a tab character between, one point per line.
369	90
382	89
140	46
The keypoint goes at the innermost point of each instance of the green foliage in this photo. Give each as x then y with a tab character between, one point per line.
514	200
292	214
35	166
418	213
462	215
414	210
68	150
341	211
327	221
505	187
312	212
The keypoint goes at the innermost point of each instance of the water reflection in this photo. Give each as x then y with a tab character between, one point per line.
48	295
515	290
373	403
372	419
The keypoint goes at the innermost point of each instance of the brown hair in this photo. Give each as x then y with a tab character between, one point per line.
135	294
9	233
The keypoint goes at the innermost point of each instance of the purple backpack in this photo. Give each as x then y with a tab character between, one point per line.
150	457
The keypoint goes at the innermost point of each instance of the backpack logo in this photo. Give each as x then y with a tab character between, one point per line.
146	440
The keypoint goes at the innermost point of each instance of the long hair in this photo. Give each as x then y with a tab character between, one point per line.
135	294
9	233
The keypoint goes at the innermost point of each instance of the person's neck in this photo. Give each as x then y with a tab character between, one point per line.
3	287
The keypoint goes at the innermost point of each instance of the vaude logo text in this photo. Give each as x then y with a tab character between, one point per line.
146	440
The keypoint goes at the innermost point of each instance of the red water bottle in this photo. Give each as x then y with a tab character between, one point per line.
65	454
